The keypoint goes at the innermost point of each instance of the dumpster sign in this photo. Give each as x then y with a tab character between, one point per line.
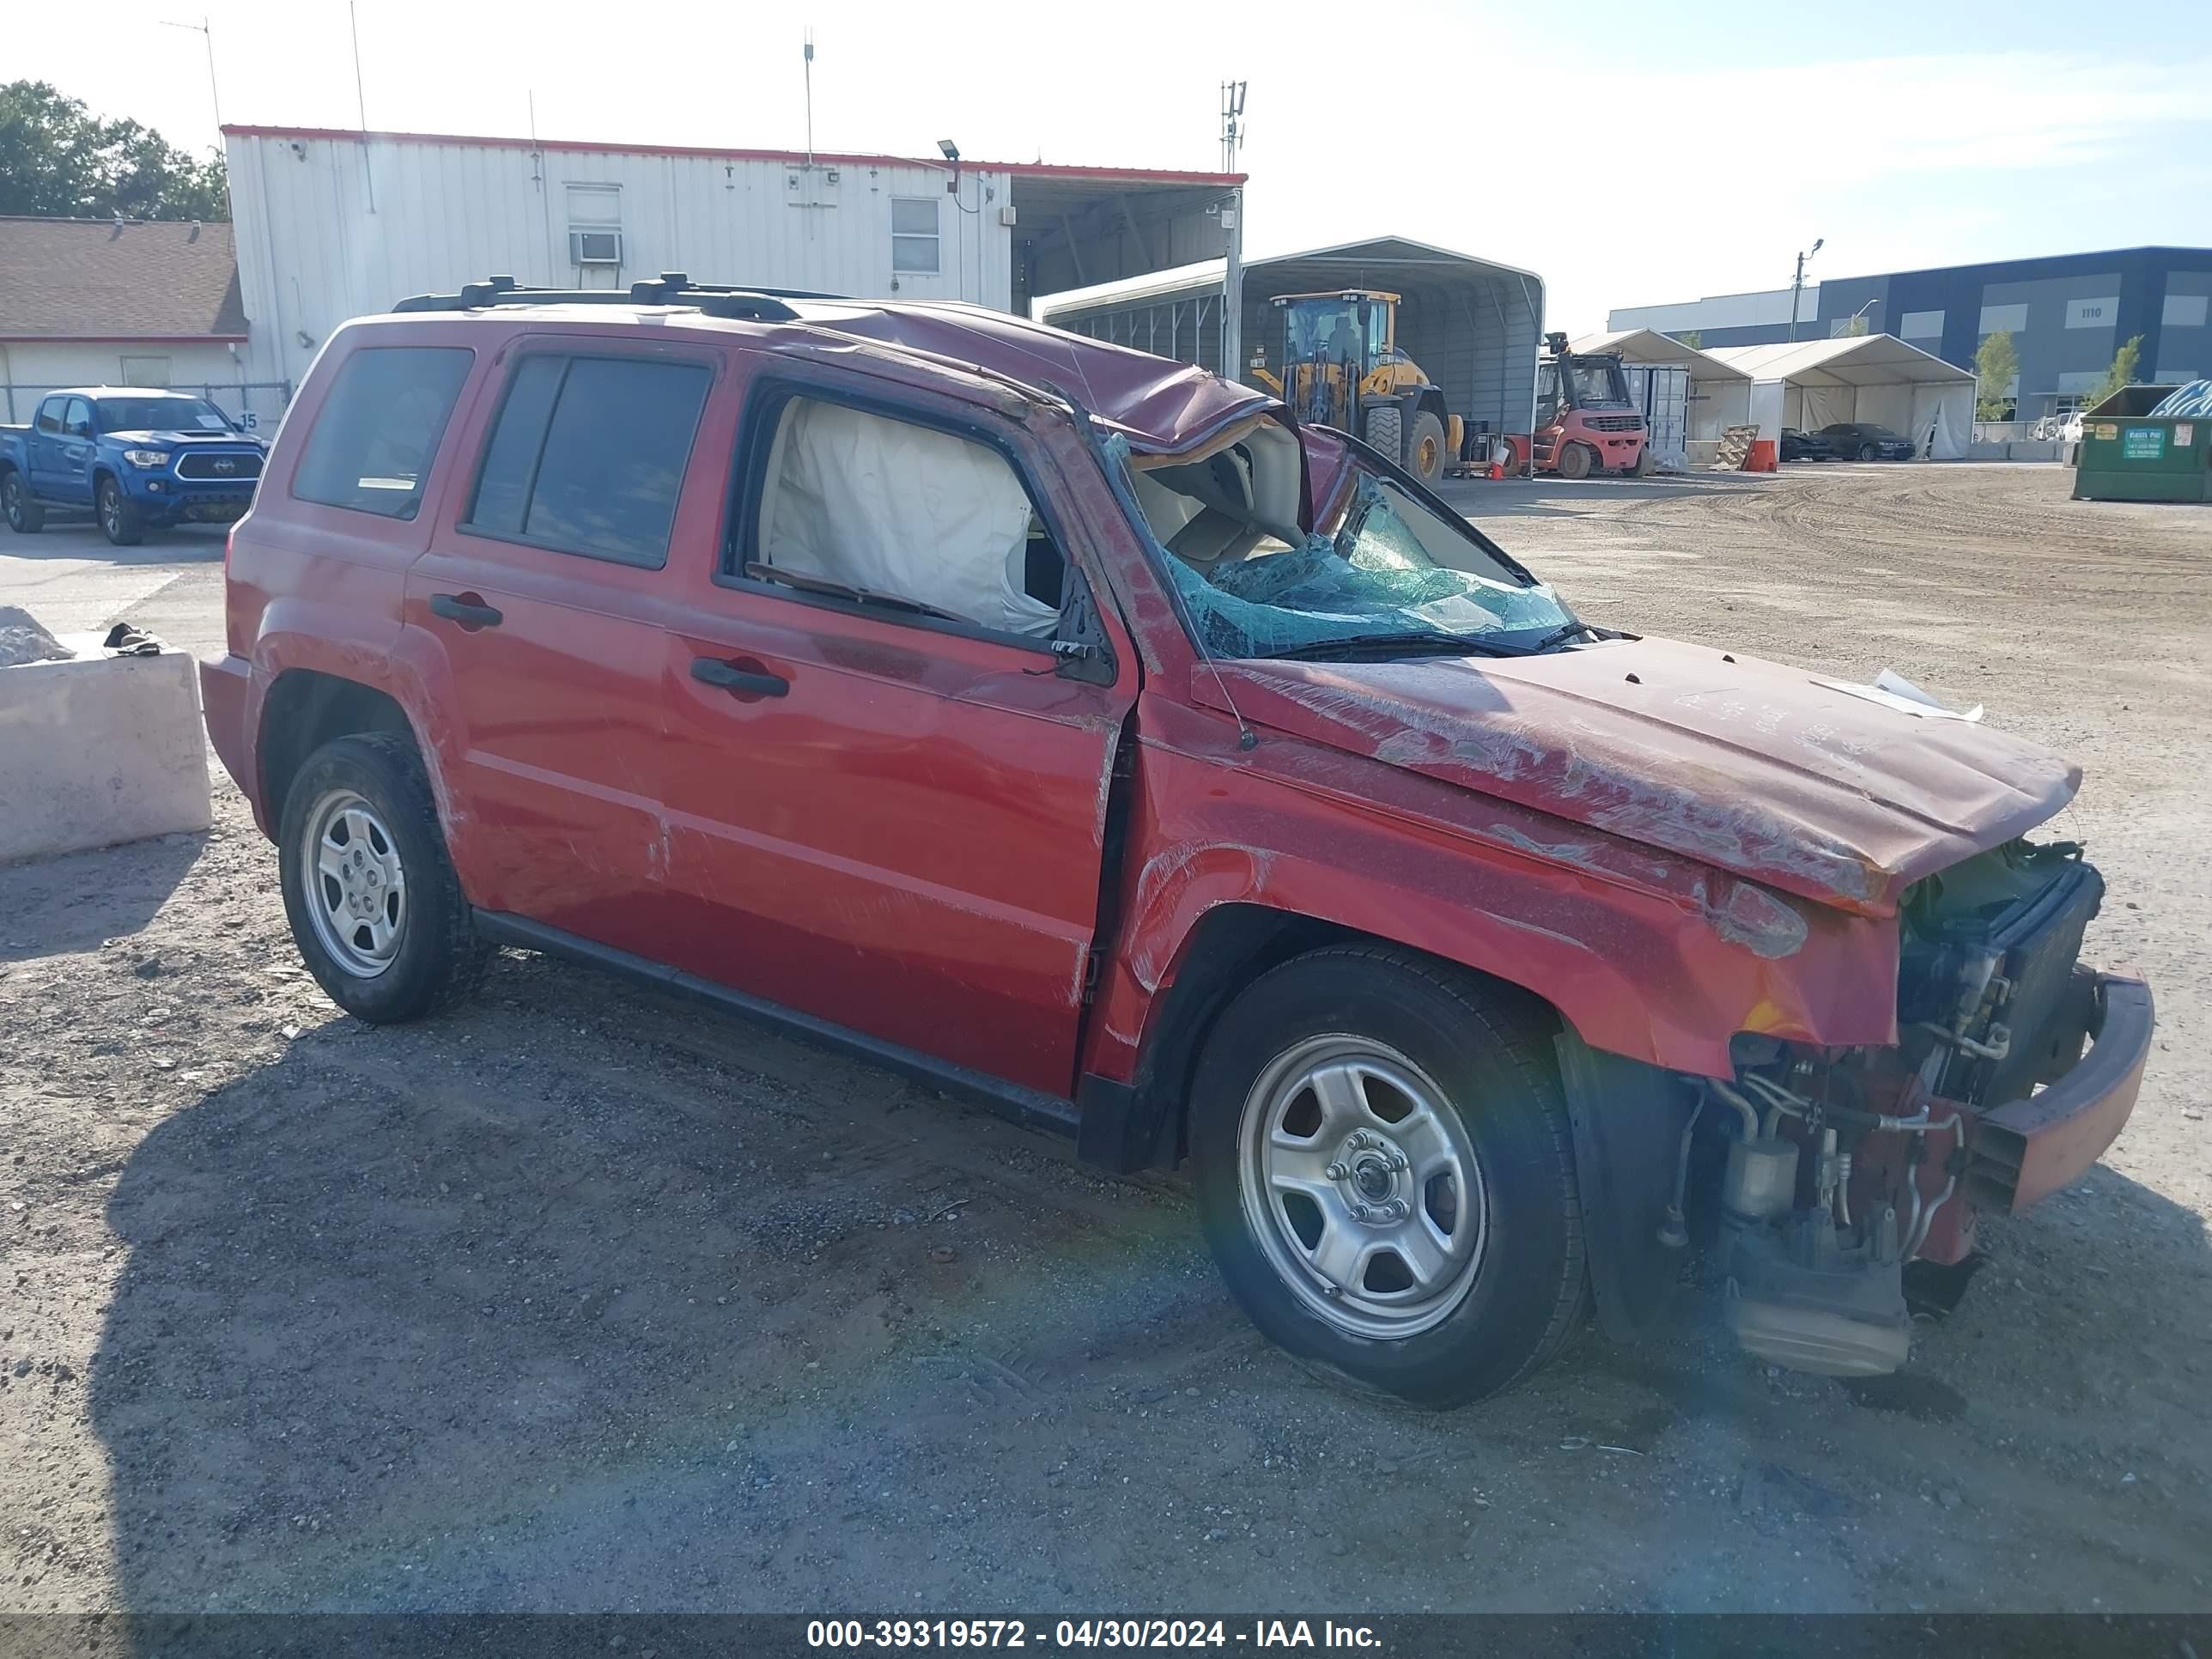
2143	443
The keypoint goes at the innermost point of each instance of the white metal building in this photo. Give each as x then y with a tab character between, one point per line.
334	224
1874	378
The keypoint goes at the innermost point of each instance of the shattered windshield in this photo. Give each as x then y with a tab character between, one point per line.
1389	568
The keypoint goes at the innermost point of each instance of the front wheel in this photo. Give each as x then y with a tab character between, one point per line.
26	516
1386	432
1868	453
119	520
374	905
1384	1174
1645	464
1575	461
1424	456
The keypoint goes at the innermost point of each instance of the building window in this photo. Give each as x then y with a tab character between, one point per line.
146	371
1920	326
913	234
2004	320
2184	310
595	225
2097	311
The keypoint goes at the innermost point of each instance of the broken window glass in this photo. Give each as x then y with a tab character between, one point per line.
1379	573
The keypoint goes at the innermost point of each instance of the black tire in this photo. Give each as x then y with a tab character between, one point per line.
119	520
1868	453
1576	462
26	516
1490	1055
1645	466
1386	432
439	956
1425	455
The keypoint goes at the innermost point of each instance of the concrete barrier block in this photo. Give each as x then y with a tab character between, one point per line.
96	750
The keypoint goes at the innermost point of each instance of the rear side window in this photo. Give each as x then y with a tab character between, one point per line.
587	456
374	442
50	415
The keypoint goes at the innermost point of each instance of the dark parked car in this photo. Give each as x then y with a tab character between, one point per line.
1805	446
1856	440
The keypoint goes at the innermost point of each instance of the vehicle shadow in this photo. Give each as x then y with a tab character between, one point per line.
74	901
81	540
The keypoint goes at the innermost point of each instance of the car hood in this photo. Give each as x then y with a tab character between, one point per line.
175	435
1762	770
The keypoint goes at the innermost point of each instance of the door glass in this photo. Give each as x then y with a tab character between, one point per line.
615	450
1378	332
78	421
50	416
893	508
510	463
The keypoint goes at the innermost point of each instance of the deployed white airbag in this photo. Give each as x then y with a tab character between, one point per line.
900	509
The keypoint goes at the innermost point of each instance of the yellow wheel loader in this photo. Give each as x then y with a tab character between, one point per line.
1342	367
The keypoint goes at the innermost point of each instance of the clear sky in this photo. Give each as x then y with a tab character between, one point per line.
1631	154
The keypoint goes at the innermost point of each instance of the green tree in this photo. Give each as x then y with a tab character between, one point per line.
1694	339
2122	373
1996	366
59	161
1854	325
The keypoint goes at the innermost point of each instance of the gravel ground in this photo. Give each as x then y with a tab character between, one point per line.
584	1299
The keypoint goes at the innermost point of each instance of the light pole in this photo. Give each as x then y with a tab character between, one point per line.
1797	285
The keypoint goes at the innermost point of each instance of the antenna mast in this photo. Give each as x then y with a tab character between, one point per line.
809	72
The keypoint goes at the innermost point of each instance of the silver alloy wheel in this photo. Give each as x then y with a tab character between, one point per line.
1361	1186
111	510
356	890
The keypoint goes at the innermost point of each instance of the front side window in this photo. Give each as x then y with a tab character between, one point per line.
78	421
588	453
913	234
1598	384
377	435
877	510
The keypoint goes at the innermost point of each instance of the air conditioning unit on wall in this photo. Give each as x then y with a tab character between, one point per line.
595	247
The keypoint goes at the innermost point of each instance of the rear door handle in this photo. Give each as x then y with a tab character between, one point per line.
715	671
469	613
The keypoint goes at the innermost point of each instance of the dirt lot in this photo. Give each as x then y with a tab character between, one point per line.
584	1298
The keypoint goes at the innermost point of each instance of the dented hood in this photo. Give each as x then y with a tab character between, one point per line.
1749	766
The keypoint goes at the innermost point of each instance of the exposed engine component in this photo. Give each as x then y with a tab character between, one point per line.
1826	1193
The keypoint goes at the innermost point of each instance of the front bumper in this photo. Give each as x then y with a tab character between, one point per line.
166	499
2026	1150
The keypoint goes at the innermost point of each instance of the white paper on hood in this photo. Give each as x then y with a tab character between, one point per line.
1892	690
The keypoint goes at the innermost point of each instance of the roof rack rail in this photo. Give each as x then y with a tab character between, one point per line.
671	288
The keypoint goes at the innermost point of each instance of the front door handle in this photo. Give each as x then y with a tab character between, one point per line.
469	613
715	671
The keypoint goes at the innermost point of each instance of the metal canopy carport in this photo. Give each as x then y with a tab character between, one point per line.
1874	378
1473	325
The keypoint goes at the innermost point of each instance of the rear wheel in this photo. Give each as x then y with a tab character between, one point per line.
1425	459
119	521
1386	431
374	905
1383	1173
25	516
1576	461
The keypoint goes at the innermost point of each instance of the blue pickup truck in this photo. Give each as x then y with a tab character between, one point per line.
136	459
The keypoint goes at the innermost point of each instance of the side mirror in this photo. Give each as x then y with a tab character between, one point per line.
80	429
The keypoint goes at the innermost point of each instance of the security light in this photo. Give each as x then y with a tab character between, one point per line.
951	150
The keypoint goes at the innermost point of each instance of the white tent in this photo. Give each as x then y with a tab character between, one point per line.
1874	378
1720	393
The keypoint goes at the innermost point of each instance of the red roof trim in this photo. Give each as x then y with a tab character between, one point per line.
121	339
1019	169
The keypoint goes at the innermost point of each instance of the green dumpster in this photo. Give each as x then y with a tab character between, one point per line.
2126	455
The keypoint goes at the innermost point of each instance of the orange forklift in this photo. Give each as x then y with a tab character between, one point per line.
1585	422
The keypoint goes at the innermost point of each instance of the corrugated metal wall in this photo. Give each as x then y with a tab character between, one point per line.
1475	329
329	228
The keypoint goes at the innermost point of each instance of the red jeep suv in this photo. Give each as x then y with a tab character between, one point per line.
1071	729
